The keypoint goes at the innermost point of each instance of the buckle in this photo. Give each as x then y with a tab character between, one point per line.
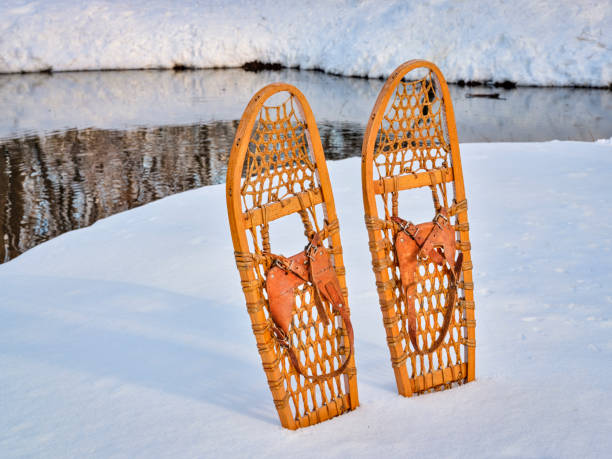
311	250
443	217
440	215
282	264
404	227
281	337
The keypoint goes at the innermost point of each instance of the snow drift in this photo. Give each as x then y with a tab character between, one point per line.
546	42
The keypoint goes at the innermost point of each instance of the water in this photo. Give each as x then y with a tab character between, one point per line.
77	147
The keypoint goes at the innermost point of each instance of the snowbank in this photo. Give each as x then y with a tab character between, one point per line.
548	42
130	338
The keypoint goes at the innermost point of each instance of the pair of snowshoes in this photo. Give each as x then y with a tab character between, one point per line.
298	304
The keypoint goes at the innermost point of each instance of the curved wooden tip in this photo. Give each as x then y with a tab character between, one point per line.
241	143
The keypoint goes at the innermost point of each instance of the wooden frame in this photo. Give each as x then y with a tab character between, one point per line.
277	168
412	137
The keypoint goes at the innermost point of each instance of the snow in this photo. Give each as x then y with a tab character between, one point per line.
130	338
546	42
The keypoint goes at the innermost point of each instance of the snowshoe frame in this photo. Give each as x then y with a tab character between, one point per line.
411	142
277	168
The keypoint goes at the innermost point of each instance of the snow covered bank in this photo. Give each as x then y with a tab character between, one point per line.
548	42
130	337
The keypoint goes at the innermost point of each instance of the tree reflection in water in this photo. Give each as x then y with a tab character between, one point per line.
66	180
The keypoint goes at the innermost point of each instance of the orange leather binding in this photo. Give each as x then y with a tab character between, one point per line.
312	265
436	241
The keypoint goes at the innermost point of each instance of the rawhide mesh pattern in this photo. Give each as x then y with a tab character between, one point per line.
279	166
320	351
412	140
278	162
432	290
412	137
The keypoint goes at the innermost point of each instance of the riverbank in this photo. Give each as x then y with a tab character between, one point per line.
543	43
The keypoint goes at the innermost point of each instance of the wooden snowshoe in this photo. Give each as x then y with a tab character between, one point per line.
297	303
423	271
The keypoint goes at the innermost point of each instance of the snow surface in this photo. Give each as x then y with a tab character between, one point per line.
545	42
130	338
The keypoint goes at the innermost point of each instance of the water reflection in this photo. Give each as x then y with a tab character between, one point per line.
159	133
130	99
67	180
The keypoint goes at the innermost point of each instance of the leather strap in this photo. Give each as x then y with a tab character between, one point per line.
312	265
435	240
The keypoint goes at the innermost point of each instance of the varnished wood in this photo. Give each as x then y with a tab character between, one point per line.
287	387
279	209
407	182
404	179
